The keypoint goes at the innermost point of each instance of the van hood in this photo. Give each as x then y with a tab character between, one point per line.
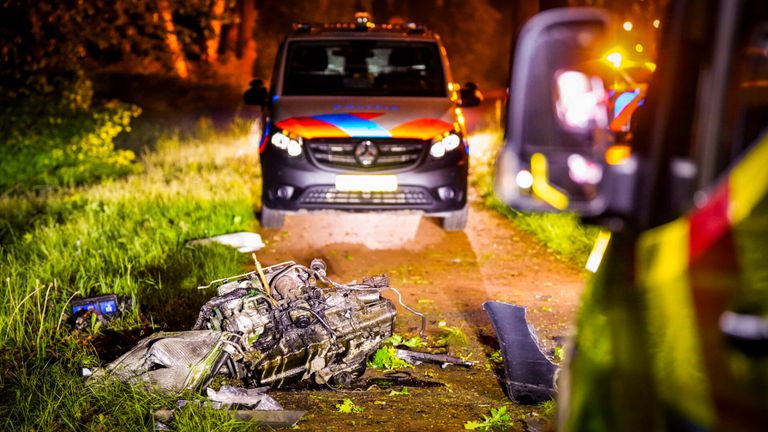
357	117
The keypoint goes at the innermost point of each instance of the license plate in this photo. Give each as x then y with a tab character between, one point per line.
366	183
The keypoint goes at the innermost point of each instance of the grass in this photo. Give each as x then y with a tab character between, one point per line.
384	358
563	233
126	236
348	407
451	337
498	420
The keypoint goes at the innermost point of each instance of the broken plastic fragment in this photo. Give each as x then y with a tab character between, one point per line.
529	375
253	398
245	242
172	361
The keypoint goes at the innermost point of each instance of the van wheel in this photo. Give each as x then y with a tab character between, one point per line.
271	218
456	221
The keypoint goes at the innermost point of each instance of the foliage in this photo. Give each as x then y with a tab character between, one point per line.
53	397
349	407
498	420
385	358
43	39
559	353
194	417
451	336
411	342
403	392
563	233
547	408
496	357
62	142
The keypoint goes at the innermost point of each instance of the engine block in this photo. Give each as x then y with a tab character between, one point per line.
272	327
293	323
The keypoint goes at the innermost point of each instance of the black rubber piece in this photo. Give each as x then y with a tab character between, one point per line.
529	375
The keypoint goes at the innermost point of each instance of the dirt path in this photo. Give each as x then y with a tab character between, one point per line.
445	275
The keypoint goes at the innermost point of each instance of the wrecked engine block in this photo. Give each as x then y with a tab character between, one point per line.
296	330
276	326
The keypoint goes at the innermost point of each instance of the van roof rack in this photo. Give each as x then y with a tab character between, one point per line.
363	22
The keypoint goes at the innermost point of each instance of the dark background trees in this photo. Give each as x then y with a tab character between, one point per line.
47	41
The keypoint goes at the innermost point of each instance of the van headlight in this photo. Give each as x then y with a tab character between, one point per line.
292	144
443	144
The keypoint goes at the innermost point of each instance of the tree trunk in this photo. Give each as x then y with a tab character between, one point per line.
212	44
230	34
172	40
248	17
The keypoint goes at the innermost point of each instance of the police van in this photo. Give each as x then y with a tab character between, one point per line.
363	117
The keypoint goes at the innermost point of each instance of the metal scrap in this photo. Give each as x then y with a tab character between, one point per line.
272	327
414	357
253	398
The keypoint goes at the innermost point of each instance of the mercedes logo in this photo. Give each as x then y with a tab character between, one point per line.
366	153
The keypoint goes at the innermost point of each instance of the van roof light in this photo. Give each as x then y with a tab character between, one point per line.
414	28
302	27
363	21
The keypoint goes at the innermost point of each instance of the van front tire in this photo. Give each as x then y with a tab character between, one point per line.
271	218
457	220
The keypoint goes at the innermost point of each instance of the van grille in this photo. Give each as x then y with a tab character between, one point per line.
392	153
403	196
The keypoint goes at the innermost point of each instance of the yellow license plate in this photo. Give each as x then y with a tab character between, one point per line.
366	183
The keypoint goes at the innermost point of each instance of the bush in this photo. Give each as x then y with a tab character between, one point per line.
61	139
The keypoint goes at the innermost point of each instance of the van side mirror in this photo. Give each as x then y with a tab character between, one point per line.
469	95
256	94
558	153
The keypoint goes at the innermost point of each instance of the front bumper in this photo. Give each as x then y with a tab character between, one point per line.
300	183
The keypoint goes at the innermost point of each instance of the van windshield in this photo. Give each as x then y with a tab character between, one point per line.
363	68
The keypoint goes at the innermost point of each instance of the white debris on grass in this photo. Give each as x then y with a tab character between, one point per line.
245	242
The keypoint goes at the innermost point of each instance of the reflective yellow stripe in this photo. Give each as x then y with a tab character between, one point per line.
678	363
598	250
748	182
664	252
541	186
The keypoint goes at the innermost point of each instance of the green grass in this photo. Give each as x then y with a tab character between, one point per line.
126	236
349	407
498	420
384	358
49	142
563	233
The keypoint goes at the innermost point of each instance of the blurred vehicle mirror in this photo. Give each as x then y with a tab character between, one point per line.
469	95
256	94
558	153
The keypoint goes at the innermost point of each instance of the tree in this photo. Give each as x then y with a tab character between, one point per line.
171	39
